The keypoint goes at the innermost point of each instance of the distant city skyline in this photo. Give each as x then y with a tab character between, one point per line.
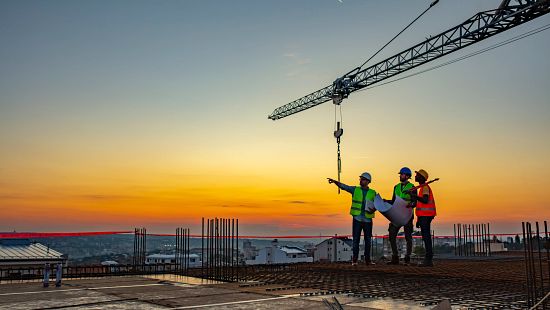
125	114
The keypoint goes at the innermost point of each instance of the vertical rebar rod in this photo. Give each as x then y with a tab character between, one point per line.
532	262
459	239
220	244
526	245
213	247
134	257
207	254
216	252
185	249
480	239
177	253
468	240
478	252
489	235
467	237
454	237
223	251
232	249
237	253
224	269
542	292
138	260
189	247
547	246
206	250
527	265
227	256
482	234
186	253
228	249
211	250
202	247
485	253
474	240
140	248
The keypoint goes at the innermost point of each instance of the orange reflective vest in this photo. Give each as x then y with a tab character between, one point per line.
426	209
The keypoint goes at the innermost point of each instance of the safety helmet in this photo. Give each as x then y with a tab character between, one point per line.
423	173
405	170
366	175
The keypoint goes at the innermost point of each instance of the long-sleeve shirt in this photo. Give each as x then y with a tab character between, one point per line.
350	189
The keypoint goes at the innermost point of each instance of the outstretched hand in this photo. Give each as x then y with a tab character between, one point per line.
330	181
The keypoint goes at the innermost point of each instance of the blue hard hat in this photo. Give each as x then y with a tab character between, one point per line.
405	170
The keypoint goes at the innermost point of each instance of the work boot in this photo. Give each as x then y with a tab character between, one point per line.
407	260
426	263
394	260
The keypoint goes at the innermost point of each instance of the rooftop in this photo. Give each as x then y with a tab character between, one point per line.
25	250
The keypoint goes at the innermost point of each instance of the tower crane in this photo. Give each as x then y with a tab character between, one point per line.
483	25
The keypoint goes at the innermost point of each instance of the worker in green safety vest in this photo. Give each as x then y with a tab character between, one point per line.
399	190
362	210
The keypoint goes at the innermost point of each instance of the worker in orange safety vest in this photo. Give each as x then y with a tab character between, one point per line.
425	213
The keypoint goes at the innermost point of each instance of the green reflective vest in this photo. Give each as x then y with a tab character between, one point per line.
399	192
357	201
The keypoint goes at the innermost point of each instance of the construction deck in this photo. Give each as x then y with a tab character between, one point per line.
468	284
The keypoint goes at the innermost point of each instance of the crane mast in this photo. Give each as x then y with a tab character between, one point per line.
483	25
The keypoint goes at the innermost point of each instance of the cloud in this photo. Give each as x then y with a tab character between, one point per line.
317	215
106	197
297	63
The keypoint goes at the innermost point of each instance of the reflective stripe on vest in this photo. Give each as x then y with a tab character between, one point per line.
426	209
357	202
399	192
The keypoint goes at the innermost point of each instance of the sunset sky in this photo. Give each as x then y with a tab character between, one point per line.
122	114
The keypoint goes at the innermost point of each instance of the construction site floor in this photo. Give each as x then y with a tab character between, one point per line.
145	293
491	284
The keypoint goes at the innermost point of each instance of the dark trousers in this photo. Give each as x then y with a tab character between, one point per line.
394	230
357	228
425	228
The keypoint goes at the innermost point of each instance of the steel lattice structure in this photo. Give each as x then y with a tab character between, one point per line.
477	28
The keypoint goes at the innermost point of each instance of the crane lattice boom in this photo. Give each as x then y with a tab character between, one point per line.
483	25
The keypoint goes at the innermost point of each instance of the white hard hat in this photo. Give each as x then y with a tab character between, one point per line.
366	175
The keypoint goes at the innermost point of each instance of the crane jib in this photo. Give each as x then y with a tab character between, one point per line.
477	28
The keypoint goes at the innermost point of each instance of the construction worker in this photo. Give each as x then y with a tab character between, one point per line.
400	190
425	213
362	210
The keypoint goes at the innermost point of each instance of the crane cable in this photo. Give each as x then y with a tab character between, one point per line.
398	34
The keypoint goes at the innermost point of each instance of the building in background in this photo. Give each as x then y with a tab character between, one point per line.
249	251
337	249
275	254
194	259
21	257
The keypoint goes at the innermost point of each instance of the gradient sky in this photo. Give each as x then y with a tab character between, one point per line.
117	114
